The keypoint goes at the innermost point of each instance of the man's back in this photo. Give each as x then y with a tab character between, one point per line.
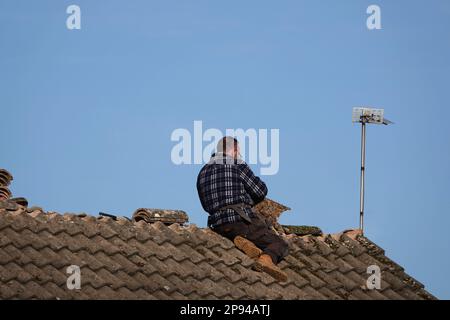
224	181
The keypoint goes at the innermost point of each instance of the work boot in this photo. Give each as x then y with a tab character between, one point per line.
265	263
248	247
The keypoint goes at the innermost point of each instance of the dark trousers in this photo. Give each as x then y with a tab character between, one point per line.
260	234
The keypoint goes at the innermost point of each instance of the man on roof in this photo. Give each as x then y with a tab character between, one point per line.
228	189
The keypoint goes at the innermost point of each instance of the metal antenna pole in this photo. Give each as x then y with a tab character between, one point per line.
361	182
365	116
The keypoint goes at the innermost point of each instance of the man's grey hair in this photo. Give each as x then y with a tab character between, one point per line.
227	143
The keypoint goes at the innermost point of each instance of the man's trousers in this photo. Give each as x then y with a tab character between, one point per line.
259	233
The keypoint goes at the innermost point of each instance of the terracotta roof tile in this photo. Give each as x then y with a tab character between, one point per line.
358	294
353	263
306	261
395	282
331	282
330	294
311	293
5	258
56	276
323	263
376	294
392	295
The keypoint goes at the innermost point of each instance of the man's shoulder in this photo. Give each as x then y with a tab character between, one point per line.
216	168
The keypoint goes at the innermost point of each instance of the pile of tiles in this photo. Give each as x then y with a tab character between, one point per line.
165	216
270	211
5	180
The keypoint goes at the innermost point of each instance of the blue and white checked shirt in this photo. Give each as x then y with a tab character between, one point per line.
224	181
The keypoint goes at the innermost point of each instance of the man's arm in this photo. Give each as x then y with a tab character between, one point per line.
202	201
255	187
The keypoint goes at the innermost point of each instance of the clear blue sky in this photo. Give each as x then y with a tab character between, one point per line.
86	115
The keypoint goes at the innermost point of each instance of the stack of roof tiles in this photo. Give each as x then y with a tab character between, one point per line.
165	216
5	180
124	259
270	211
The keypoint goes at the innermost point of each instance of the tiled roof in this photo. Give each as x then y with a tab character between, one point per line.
139	260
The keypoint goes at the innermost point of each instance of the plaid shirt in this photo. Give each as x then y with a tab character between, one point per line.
224	181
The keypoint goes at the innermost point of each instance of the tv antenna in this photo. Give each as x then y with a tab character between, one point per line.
366	116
